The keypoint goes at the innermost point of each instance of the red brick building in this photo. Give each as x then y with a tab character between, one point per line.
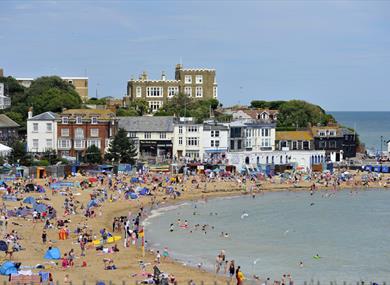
77	129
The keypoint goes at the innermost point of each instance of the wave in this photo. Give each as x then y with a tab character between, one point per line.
160	211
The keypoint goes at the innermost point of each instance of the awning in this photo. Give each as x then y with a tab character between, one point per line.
215	150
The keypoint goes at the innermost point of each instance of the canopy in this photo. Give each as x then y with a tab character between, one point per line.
8	268
53	253
5	150
40	208
29	200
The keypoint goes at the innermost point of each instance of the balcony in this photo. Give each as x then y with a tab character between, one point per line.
79	144
64	144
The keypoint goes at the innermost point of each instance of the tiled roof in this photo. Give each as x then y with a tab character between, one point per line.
147	124
294	136
6	122
47	116
102	114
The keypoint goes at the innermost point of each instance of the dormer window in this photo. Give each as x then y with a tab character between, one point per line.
94	120
79	120
65	120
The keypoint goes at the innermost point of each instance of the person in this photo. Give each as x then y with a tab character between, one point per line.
232	269
44	237
239	276
165	253
158	256
301	264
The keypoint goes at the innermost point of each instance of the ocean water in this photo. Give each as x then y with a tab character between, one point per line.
369	125
351	233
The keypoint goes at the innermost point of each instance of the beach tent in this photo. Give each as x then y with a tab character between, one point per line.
53	253
8	268
368	168
3	246
134	180
385	169
133	196
144	191
377	168
5	150
92	203
40	208
29	200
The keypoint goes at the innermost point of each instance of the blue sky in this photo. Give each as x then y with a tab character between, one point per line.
332	53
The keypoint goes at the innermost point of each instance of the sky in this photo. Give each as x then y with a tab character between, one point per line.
332	53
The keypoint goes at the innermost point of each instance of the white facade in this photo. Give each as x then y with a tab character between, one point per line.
301	159
215	141
5	102
187	139
41	132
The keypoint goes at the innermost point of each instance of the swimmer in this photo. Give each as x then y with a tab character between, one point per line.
301	264
171	228
226	235
311	204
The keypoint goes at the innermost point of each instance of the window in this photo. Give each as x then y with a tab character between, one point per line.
294	145
79	120
212	143
232	144
94	132
35	143
94	120
79	133
172	91
216	143
138	91
147	135
215	134
188	91
64	132
79	143
63	144
239	144
192	141
265	142
94	142
132	134
199	79
199	91
180	140
188	79
154	92
305	145
235	132
70	81
265	132
215	92
163	135
49	143
65	120
35	127
180	129
49	127
322	144
322	133
192	129
248	143
155	105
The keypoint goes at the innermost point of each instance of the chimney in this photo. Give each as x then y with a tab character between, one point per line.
30	113
163	77
144	76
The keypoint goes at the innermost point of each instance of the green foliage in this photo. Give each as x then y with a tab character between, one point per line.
51	156
121	150
19	154
93	155
95	101
183	106
45	94
299	114
123	112
141	106
42	162
272	105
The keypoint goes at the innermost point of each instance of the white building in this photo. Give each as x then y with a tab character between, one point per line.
152	136
300	159
187	139
41	132
215	141
5	101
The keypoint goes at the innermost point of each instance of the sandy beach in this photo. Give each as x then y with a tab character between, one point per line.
127	259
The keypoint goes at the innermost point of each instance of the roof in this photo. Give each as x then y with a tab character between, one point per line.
6	122
47	116
294	136
147	124
316	129
102	114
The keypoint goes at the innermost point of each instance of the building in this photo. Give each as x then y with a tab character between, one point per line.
214	141
5	101
80	84
1	72
294	140
42	132
196	83
78	129
338	143
8	130
242	113
187	139
152	136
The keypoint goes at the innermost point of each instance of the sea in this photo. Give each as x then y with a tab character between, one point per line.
370	126
271	234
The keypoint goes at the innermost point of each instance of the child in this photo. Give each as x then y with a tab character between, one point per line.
158	256
165	253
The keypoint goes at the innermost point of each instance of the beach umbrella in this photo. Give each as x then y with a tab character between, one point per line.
40	208
29	200
3	246
8	268
133	196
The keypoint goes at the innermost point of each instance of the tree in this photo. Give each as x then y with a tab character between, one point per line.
93	155
272	105
123	112
19	154
140	105
121	149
